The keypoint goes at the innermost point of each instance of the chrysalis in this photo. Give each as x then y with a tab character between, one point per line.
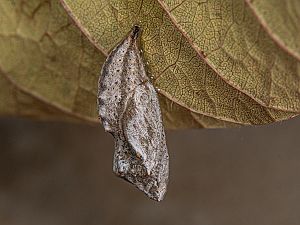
129	109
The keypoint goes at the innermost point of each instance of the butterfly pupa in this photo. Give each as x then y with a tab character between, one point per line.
129	109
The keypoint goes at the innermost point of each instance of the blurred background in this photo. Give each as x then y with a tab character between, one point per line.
60	174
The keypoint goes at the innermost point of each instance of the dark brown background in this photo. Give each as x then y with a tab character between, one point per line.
60	174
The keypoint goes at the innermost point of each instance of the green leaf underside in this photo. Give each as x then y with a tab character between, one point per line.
281	20
52	69
180	74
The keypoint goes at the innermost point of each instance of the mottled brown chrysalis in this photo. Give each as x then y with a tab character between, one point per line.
129	109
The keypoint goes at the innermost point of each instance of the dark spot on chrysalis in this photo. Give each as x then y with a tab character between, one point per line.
100	102
102	86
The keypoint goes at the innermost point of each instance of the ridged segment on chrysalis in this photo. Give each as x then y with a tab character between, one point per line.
129	109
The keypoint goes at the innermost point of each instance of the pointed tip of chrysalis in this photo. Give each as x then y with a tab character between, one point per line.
136	30
156	195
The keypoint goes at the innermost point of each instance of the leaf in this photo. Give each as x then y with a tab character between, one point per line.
281	21
211	58
48	59
15	101
238	49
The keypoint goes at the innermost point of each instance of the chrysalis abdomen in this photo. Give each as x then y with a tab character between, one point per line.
129	109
